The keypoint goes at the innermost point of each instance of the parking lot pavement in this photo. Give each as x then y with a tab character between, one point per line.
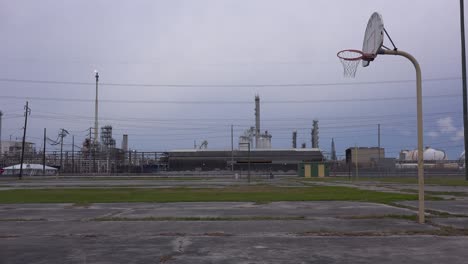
454	222
238	232
233	249
67	212
323	226
456	207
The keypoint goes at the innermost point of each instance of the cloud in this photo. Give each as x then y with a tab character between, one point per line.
446	125
433	134
459	135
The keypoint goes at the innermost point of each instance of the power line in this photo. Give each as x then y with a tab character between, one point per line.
226	85
372	99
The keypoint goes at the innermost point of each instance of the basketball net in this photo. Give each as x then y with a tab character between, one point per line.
350	59
350	67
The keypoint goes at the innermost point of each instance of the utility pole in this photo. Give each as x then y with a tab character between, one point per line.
61	151
43	153
356	152
62	134
378	138
73	154
465	109
248	175
89	150
26	113
232	148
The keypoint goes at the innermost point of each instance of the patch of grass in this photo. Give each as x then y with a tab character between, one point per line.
393	216
21	219
447	193
444	181
159	178
227	218
442	231
317	179
409	190
259	194
443	214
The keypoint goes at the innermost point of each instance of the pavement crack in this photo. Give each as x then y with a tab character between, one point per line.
114	214
180	244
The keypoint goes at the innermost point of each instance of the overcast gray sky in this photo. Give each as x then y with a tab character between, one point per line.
211	44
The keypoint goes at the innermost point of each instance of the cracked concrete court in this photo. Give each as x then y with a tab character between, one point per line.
231	232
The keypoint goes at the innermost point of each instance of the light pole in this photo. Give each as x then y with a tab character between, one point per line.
96	109
232	148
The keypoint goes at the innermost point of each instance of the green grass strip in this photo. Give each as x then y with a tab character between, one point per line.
259	194
444	181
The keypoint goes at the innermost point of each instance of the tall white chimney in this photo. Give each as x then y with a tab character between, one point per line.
125	143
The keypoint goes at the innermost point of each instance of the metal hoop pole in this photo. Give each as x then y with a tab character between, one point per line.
420	126
465	108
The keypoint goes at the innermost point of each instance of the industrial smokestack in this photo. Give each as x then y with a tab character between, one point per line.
294	139
125	143
257	120
333	151
315	136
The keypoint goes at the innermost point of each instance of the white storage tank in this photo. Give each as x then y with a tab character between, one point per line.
243	143
434	154
429	154
264	141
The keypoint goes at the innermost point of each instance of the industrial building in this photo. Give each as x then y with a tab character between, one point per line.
364	156
254	148
30	170
259	159
13	148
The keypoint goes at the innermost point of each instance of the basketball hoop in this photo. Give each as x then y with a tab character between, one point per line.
350	60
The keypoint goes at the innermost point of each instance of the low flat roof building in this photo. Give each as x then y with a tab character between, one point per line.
274	159
14	147
364	155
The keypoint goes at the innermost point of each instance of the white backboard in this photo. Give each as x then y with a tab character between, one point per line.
374	36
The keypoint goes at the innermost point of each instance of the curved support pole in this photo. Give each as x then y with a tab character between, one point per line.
420	126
